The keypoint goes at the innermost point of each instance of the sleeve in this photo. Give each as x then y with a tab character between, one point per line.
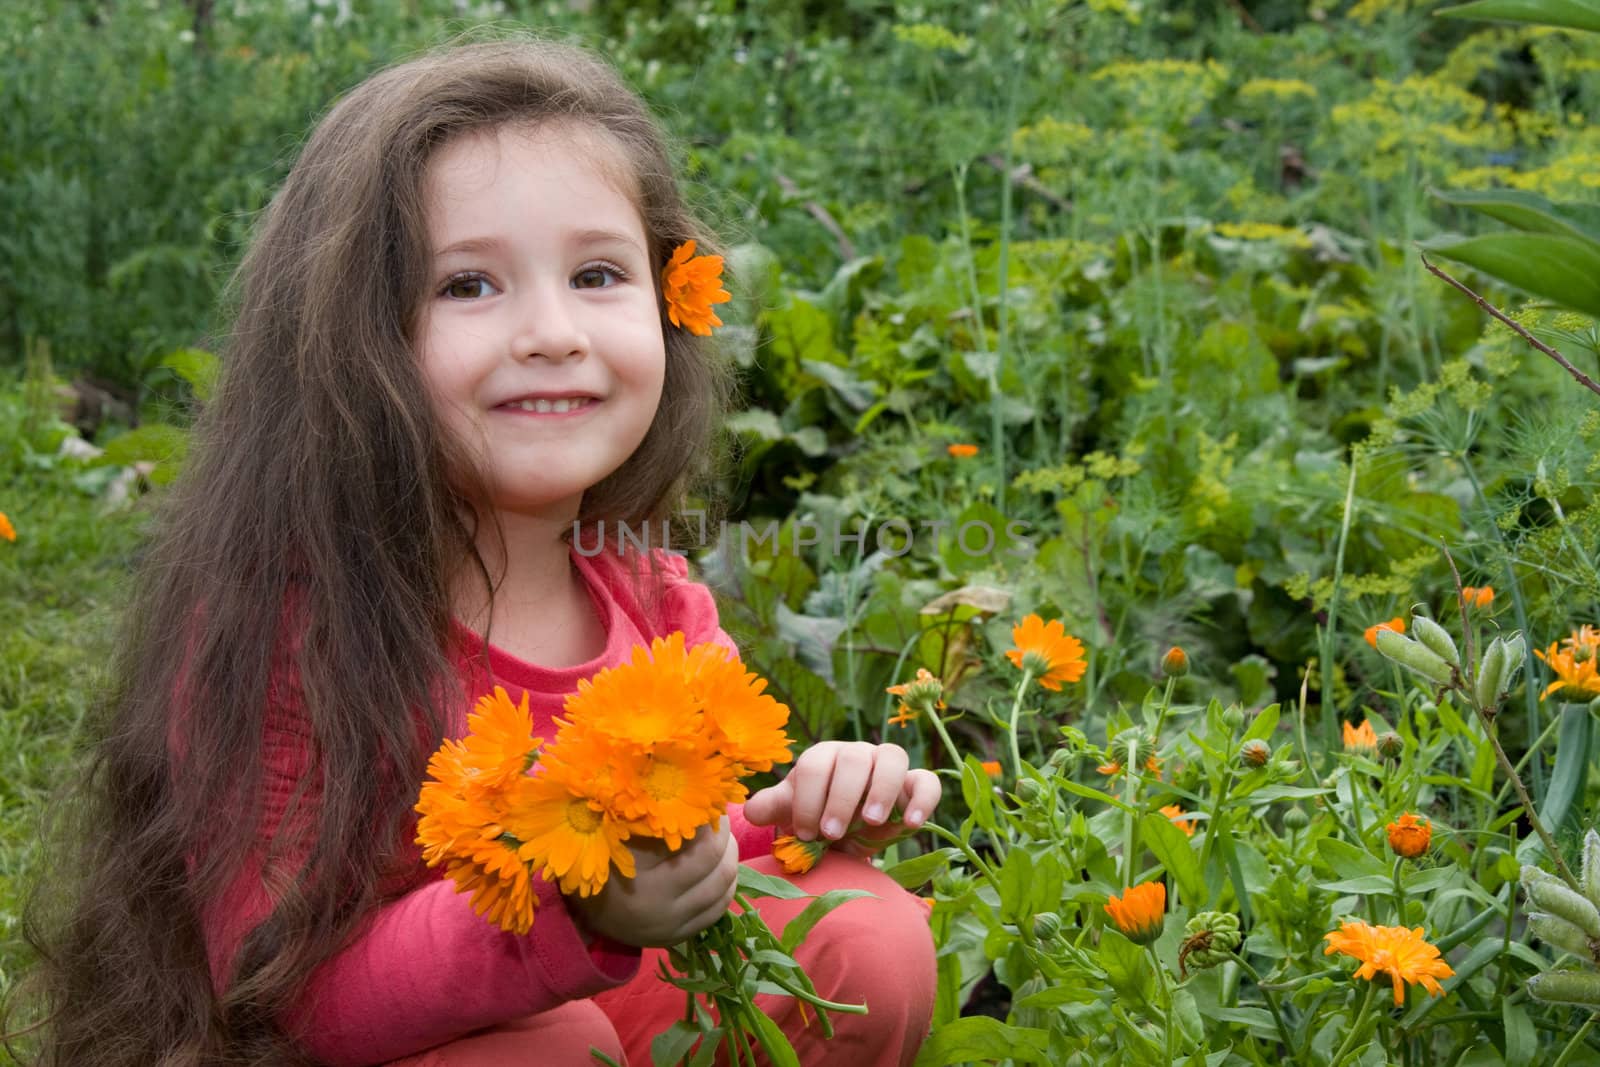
688	605
423	969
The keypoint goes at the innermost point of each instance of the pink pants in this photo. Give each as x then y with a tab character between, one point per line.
873	951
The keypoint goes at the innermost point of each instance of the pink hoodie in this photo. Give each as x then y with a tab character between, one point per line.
425	969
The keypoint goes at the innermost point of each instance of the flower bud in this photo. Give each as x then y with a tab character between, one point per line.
1581	989
1552	895
1175	664
949	885
1046	925
1028	789
1210	938
1436	638
1490	682
1296	819
1390	745
1410	836
1590	864
1415	655
1233	718
1558	933
1255	753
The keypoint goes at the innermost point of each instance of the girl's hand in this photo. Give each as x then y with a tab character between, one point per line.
672	895
837	785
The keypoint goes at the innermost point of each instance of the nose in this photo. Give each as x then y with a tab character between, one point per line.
549	326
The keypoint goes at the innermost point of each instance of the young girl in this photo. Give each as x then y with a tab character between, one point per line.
451	350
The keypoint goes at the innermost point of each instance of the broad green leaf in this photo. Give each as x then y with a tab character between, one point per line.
1015	878
1574	749
1568	14
772	1039
1171	846
1348	861
980	1038
1091	793
911	873
752	881
1261	729
671	1045
197	367
154	442
799	926
1366	883
1563	270
1530	212
1125	963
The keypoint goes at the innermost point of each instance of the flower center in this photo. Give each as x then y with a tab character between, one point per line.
665	781
581	817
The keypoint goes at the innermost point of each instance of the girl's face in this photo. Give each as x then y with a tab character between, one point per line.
541	337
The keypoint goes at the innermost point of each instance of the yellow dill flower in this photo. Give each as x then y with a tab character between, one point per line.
1275	90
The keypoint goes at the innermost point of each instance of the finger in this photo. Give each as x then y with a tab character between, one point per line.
919	796
809	782
770	806
889	763
713	893
852	772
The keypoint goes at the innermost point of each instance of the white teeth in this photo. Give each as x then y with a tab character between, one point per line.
557	407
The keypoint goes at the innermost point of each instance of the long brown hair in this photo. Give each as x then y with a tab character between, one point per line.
316	525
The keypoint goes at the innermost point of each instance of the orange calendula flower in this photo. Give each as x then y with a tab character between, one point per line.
1397	624
1047	651
569	834
1141	912
500	746
690	284
8	532
1179	818
1410	836
796	856
1401	954
1361	738
1110	770
991	767
1573	660
962	451
1478	596
919	696
1175	664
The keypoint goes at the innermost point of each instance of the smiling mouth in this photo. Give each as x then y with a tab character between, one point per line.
551	407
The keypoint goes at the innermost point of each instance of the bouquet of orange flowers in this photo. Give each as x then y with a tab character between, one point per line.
657	747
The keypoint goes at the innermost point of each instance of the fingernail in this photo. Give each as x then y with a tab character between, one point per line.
804	835
913	818
832	828
873	813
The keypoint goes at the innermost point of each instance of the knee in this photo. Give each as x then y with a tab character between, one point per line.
876	948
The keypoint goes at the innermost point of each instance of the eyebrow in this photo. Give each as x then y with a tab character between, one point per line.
491	244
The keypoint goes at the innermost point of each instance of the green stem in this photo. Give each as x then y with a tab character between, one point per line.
1129	813
1161	716
1577	1039
1400	893
1358	1026
1272	1005
1016	712
1330	714
949	745
972	857
1166	997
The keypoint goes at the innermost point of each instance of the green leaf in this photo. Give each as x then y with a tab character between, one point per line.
914	872
1530	212
1569	14
1366	883
1261	729
772	1039
799	926
1522	1040
671	1045
1015	878
980	1038
753	882
1348	861
1171	846
1125	964
1564	270
197	367
1091	793
1574	745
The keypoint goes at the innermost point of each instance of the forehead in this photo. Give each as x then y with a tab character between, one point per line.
577	173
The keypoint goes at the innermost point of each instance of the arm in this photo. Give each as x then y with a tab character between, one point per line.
422	969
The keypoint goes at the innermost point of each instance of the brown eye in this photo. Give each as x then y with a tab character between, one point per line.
591	278
466	287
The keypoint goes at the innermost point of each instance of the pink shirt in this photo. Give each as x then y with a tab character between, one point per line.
425	969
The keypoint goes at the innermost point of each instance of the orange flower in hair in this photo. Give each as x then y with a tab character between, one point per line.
7	531
690	284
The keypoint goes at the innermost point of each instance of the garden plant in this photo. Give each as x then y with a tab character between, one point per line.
1166	420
